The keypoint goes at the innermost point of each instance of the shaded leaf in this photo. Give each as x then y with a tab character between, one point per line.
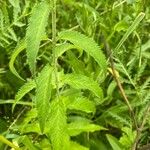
114	142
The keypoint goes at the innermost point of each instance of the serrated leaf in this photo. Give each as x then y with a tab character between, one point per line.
27	87
35	31
31	127
26	122
77	146
60	49
80	103
20	47
77	65
12	34
87	44
58	126
79	126
43	94
128	137
27	142
79	81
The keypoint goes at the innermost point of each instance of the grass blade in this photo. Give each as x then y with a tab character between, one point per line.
130	30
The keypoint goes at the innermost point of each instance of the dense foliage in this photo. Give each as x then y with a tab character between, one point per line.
74	75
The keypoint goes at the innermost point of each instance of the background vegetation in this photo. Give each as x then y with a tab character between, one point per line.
74	74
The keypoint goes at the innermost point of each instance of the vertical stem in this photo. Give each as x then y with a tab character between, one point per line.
54	24
109	53
54	32
139	131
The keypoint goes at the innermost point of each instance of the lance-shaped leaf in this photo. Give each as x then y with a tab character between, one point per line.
57	126
114	142
60	49
27	142
43	94
27	87
130	30
35	31
20	47
87	44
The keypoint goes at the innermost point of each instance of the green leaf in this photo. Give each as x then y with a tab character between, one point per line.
60	49
3	125
79	126
11	101
121	26
35	31
43	94
111	88
77	65
79	81
128	137
77	146
4	140
27	142
20	47
12	34
27	122
26	88
80	103
99	144
87	44
57	126
19	24
130	30
114	142
31	127
44	144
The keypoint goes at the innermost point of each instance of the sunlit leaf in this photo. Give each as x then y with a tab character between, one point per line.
43	94
35	31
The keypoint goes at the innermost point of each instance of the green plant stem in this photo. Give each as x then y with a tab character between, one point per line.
4	140
119	83
11	101
54	45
